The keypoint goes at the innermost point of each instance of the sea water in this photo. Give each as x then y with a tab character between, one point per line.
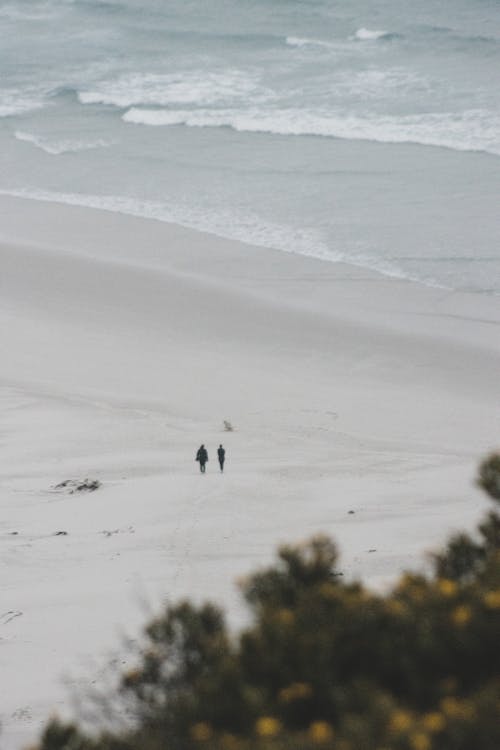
350	130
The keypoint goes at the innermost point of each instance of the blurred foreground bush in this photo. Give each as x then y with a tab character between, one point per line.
325	664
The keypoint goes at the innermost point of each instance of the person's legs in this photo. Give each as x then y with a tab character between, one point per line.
202	468
221	464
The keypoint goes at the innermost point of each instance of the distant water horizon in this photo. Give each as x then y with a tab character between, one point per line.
349	132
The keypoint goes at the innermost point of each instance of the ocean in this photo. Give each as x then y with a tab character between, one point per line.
363	132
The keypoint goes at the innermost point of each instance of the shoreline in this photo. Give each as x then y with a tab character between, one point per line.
128	341
478	307
113	205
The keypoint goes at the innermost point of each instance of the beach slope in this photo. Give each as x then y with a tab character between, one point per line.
360	406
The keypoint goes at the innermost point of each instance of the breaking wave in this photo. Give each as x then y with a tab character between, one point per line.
14	102
61	147
473	130
188	87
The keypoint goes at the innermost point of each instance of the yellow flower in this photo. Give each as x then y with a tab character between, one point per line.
321	731
229	741
395	607
132	676
434	722
418	594
329	591
407	579
201	731
267	726
461	615
400	721
285	616
457	709
413	587
447	587
492	599
294	692
420	741
468	710
451	707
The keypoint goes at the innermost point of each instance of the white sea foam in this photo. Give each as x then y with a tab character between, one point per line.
228	223
158	117
296	41
370	35
199	87
473	130
16	102
377	84
55	148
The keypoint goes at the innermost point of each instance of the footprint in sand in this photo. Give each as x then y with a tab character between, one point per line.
128	530
23	714
10	615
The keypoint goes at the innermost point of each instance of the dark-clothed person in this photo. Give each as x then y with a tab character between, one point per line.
202	457
221	454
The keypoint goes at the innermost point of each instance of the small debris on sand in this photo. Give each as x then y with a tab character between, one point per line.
22	714
61	533
78	485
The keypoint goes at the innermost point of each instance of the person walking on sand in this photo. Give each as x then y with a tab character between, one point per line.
221	453
202	457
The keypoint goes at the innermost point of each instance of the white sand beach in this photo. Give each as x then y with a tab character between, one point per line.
125	343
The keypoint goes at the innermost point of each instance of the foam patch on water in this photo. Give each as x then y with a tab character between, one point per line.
296	41
158	117
474	130
16	102
371	35
197	87
384	84
61	147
